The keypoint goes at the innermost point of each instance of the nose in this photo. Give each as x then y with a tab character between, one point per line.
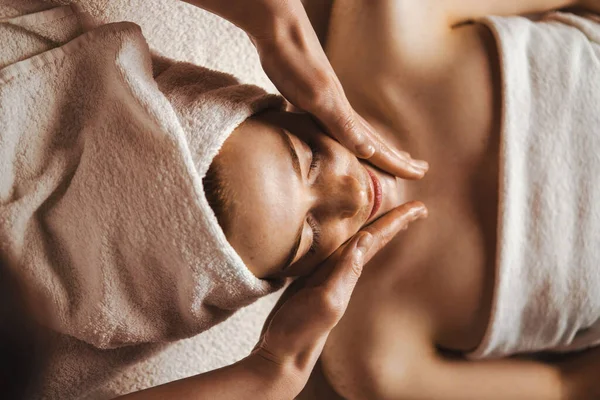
344	196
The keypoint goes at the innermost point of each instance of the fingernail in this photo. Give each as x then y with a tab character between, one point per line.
364	243
419	212
418	171
403	154
420	164
365	150
415	214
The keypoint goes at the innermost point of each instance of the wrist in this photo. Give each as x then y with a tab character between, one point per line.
280	378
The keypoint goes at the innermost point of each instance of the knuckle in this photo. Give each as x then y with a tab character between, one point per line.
379	236
320	92
371	230
313	93
356	267
348	125
382	148
347	122
330	303
386	235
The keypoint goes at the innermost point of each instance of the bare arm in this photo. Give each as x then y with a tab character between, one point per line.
390	356
486	380
251	378
399	363
297	328
507	379
294	60
405	368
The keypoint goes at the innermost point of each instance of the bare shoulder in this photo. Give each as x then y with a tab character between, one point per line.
404	46
383	34
422	38
380	339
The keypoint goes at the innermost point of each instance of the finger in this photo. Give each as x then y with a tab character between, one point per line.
338	277
352	131
390	224
383	230
398	163
376	236
317	90
340	121
339	285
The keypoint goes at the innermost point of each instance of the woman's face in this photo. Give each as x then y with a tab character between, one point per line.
295	195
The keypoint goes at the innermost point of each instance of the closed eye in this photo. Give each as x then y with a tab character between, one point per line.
316	240
315	157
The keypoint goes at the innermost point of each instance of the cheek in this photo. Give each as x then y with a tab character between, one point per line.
333	235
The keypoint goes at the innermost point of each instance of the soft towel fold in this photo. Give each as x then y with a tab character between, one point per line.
548	279
102	210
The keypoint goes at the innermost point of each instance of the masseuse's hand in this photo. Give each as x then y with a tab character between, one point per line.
294	60
297	328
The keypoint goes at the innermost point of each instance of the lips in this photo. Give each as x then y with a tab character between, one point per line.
377	193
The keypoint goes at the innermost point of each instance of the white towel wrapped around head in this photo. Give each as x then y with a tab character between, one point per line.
102	211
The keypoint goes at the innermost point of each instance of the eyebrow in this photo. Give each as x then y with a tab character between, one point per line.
293	153
296	166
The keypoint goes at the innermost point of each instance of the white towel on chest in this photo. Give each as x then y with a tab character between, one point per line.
547	295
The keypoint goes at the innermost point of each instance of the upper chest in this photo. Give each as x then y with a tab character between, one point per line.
449	117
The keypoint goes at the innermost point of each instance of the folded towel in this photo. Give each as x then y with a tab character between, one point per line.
548	279
102	210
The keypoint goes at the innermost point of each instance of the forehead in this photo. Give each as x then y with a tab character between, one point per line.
265	194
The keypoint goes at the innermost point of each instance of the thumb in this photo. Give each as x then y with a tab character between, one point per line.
346	271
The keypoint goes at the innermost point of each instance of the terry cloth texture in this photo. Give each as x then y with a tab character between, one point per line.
102	211
547	294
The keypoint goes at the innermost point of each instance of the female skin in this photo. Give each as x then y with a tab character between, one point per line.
297	328
296	331
294	60
433	88
301	190
325	167
427	291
